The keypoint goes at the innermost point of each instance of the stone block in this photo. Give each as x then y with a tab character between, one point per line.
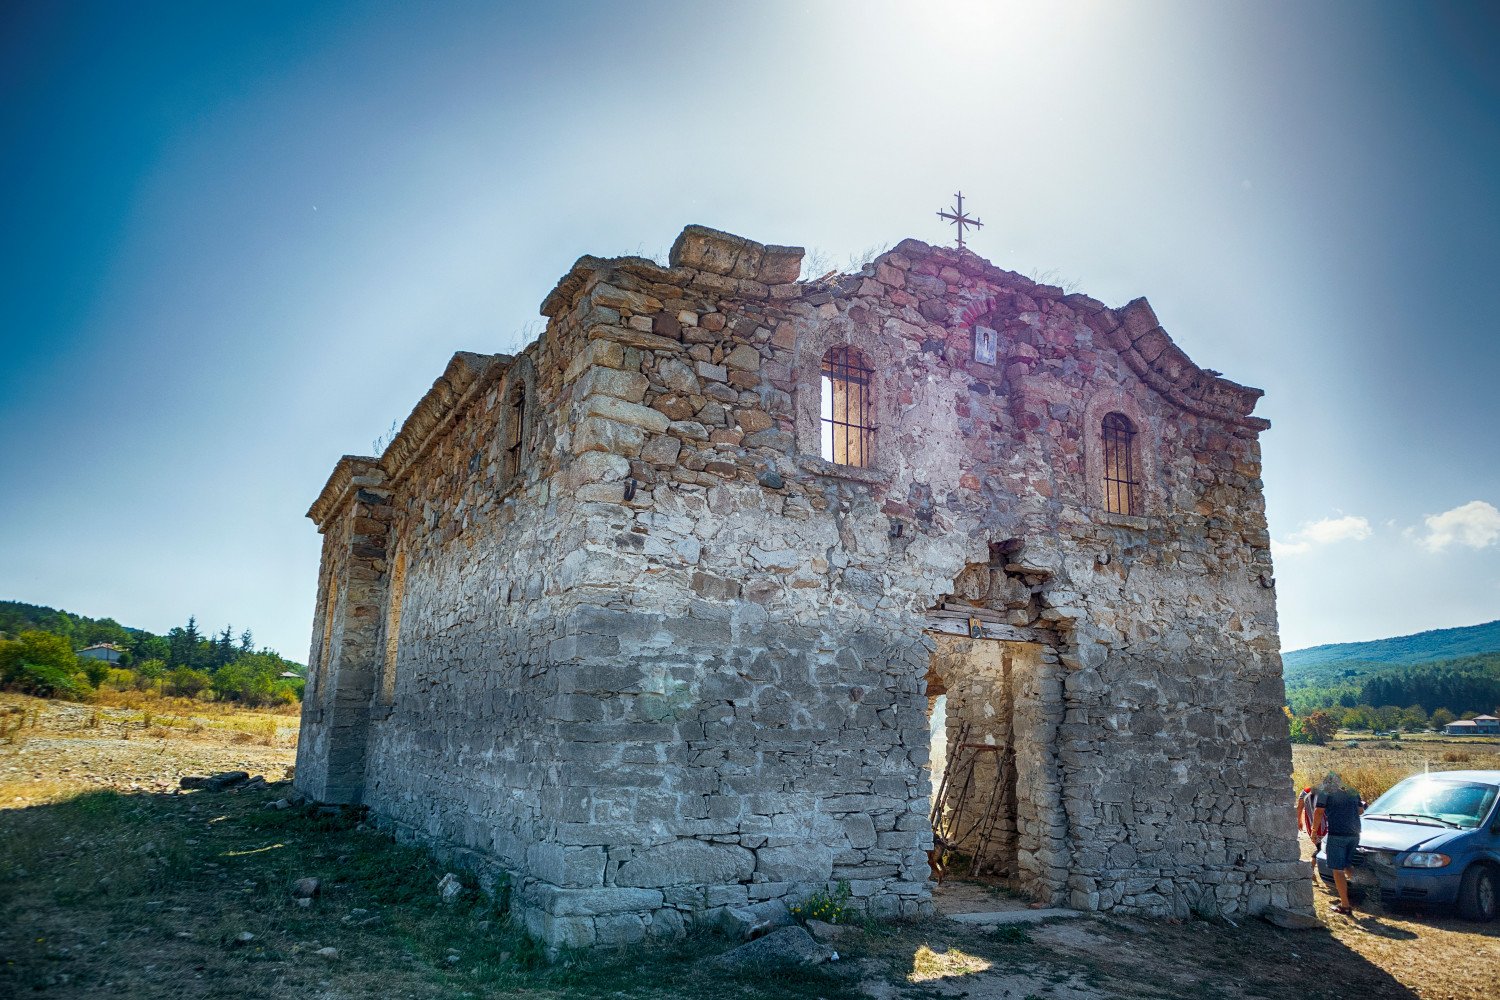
613	297
629	386
686	862
630	414
796	863
592	902
597	434
564	932
619	929
597	467
744	358
675	374
860	829
578	867
630	337
661	450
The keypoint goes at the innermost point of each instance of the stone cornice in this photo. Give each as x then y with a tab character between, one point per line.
466	376
350	473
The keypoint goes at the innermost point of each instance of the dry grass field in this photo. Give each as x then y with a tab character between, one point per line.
115	884
1375	765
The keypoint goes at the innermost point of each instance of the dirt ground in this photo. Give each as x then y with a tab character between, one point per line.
114	884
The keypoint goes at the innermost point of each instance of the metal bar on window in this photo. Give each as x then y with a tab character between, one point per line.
849	423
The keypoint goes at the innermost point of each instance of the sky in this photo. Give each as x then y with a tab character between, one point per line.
238	240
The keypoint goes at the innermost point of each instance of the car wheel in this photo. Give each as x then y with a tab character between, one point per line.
1479	893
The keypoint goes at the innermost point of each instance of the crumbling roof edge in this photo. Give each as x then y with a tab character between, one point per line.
348	472
1131	329
467	374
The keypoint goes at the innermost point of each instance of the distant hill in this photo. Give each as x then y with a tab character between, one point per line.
1453	668
1353	659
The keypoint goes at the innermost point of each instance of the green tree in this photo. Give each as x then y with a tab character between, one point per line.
1320	726
95	670
1441	718
223	647
185	682
1414	719
179	648
42	664
149	674
145	646
249	679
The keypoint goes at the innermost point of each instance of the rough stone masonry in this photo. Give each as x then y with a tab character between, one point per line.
609	617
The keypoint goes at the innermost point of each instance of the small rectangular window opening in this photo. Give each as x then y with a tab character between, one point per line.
848	432
1122	488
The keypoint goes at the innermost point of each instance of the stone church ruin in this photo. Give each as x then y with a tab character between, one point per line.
654	616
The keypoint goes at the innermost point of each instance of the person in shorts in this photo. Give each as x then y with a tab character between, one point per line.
1336	809
1305	823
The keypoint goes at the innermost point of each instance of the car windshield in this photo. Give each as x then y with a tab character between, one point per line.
1463	804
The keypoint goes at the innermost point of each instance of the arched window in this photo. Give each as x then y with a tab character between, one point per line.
848	426
1122	485
515	431
320	677
395	592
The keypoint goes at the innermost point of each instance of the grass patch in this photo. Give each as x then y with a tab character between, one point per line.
140	895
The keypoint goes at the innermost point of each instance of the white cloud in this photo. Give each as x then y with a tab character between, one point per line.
1349	528
1475	524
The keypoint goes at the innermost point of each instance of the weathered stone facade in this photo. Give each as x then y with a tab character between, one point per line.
656	656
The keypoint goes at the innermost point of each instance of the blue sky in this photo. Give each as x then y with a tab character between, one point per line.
240	240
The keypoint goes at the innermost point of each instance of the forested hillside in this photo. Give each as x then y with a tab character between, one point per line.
1328	662
39	647
1391	683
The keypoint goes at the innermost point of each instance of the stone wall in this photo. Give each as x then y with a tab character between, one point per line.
680	666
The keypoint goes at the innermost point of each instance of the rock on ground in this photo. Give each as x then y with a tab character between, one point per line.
787	946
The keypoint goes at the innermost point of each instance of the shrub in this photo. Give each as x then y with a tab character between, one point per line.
185	682
47	681
118	679
41	664
287	692
829	907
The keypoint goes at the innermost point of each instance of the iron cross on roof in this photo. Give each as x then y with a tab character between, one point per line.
959	219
